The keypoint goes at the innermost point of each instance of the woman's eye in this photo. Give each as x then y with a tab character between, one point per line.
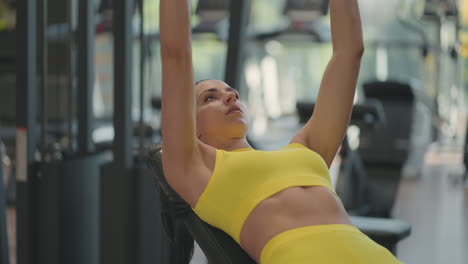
209	98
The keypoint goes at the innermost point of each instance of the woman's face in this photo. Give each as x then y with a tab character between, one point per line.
220	114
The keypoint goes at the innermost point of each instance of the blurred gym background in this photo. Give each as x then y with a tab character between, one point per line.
80	87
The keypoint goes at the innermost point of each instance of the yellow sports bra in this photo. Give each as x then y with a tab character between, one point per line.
243	178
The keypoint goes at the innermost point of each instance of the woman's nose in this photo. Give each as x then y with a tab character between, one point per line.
230	97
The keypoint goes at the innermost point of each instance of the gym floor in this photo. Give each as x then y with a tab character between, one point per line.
436	206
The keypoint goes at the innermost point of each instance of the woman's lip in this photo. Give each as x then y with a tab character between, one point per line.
234	111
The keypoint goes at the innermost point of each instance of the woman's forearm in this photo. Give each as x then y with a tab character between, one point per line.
178	98
346	27
175	26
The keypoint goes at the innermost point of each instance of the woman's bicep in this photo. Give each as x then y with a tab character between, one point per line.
325	130
178	99
178	106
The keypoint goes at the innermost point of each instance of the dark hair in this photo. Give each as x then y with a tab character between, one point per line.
174	208
200	81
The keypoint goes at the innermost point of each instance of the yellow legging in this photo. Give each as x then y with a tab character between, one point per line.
325	244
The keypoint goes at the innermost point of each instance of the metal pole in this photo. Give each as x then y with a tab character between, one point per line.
438	77
44	77
240	10
26	71
123	40
118	244
71	77
142	81
86	36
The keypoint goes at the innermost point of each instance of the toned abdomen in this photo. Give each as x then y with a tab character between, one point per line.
291	208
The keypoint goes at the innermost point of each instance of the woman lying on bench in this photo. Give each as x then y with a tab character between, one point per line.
280	205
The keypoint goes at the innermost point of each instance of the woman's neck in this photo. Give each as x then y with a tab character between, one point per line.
231	144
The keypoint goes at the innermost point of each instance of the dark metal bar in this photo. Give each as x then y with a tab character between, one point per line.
117	241
142	81
240	10
71	78
438	76
44	75
86	35
26	128
123	40
137	235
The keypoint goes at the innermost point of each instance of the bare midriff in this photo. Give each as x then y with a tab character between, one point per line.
291	208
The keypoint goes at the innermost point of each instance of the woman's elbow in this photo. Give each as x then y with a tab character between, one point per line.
359	50
354	52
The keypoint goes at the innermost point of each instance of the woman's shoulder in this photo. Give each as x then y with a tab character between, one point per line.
296	144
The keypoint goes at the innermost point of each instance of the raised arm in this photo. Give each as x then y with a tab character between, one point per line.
178	99
325	130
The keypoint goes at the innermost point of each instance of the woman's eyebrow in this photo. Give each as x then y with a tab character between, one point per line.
209	90
216	89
